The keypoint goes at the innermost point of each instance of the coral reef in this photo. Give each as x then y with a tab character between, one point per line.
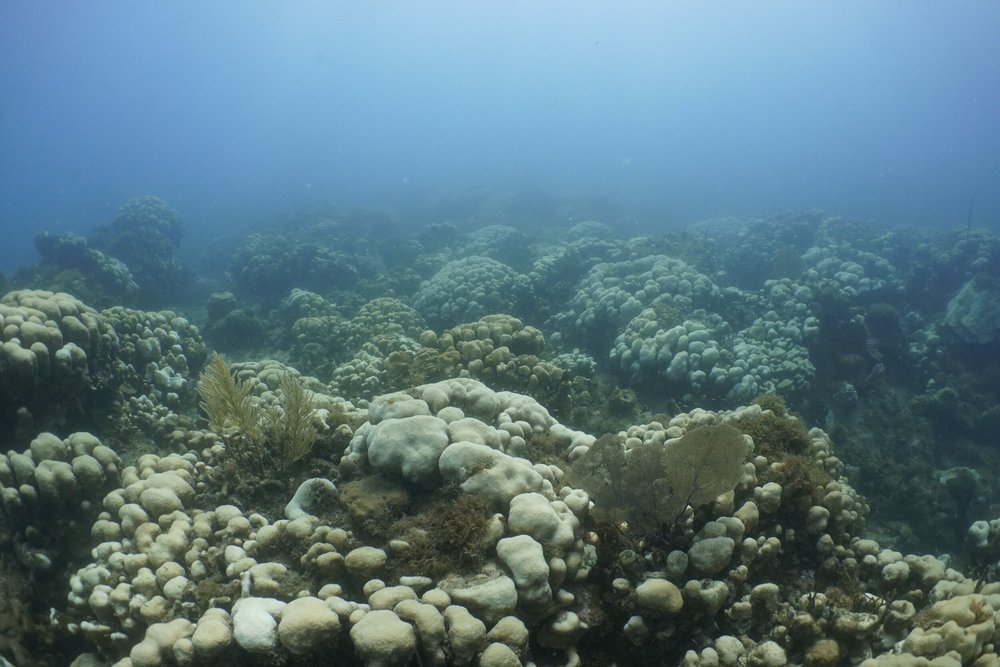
266	267
498	557
54	353
66	365
974	312
753	443
263	438
145	234
69	251
469	288
231	325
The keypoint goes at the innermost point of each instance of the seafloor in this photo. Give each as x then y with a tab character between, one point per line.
501	437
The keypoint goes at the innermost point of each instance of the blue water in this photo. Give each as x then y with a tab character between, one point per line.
233	111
